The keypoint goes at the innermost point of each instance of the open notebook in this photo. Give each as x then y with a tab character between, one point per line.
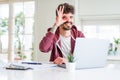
90	53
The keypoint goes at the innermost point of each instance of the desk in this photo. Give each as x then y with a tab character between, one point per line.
110	72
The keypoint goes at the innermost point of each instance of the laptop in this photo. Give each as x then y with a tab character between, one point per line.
90	53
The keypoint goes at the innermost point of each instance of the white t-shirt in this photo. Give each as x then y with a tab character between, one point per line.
65	45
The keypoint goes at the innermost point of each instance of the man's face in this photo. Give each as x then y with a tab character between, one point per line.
68	18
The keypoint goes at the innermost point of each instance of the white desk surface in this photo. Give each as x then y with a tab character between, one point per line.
110	72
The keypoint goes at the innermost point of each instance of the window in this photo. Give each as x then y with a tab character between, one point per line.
21	16
104	29
4	14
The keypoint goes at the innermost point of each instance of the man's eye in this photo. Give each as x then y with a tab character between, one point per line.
71	17
63	17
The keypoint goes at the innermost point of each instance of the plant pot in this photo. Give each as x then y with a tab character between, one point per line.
70	66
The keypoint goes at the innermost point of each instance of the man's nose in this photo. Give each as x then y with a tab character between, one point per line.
68	19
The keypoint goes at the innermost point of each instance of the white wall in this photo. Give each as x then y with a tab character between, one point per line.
99	8
44	18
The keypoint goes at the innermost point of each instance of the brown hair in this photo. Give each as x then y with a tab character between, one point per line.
67	8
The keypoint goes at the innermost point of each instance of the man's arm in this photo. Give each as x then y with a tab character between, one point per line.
80	34
46	43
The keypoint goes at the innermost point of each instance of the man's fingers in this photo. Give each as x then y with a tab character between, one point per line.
62	9
59	60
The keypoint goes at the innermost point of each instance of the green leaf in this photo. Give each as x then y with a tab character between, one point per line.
3	25
117	40
70	57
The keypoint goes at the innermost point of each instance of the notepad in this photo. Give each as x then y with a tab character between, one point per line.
17	67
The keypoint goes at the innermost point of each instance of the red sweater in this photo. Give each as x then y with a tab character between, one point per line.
51	42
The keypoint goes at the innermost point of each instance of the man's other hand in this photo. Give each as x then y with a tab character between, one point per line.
59	60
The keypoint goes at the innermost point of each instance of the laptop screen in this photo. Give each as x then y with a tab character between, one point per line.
90	52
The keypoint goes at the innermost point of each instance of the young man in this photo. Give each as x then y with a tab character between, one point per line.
60	38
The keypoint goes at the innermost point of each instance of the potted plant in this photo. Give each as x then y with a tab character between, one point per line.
70	64
116	42
70	58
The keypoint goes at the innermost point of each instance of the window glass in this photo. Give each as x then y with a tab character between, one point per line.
4	12
29	25
102	31
23	28
29	9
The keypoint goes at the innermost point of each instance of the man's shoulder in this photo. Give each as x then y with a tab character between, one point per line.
76	32
49	29
74	28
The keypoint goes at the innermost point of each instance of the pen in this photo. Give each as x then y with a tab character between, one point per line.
34	63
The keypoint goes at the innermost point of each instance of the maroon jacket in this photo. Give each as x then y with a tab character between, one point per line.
51	42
